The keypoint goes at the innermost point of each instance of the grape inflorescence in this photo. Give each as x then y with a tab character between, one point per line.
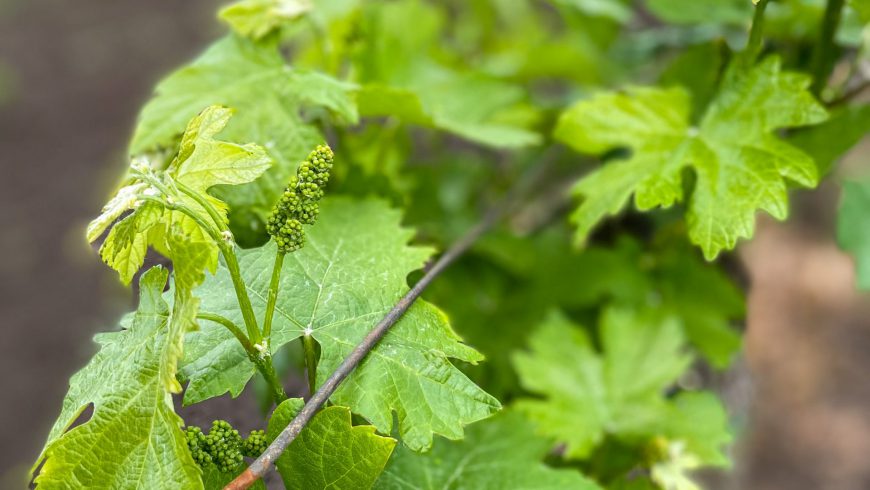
223	446
298	205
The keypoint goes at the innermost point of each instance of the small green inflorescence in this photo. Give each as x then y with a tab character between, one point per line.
298	205
255	444
223	446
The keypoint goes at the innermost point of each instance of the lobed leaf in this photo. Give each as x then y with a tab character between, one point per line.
739	166
258	18
268	98
329	453
502	452
619	392
201	163
133	439
351	271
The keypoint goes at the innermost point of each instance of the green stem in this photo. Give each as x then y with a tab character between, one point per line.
176	206
310	361
267	370
258	353
229	253
823	60
232	265
219	220
232	327
263	363
241	292
756	33
273	295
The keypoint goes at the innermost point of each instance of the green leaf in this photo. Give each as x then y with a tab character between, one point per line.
502	452
201	163
618	392
672	473
268	97
739	165
612	9
734	12
399	78
329	452
697	69
462	105
703	440
258	18
863	9
853	227
133	439
829	141
351	271
204	161
702	296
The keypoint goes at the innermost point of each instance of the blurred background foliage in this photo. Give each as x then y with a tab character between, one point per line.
479	82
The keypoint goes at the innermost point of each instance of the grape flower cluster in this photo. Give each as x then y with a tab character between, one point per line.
298	205
223	447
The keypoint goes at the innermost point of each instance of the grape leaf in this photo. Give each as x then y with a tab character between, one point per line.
734	12
201	163
351	271
863	9
699	422
853	231
268	97
617	392
613	9
672	472
460	104
133	439
739	165
697	69
512	282
502	452
257	18
400	79
329	452
829	141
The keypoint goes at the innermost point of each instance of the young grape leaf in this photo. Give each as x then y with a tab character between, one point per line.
740	166
258	18
502	452
268	97
698	421
329	452
618	392
672	473
350	272
201	163
133	439
853	227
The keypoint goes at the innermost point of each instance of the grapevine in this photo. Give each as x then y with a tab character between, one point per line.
509	271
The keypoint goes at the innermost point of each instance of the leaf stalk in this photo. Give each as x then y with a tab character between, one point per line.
822	61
